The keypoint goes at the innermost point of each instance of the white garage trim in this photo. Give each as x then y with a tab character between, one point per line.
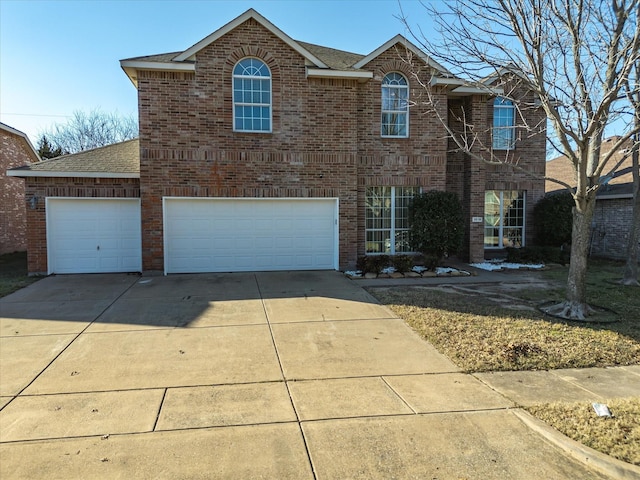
93	235
204	234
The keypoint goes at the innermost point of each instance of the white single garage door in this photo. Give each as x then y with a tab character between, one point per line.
93	235
239	235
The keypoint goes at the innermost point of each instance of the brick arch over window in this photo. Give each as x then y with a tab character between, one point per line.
393	66
256	52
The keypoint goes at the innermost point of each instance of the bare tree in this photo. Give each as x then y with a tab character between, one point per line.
85	131
630	275
577	58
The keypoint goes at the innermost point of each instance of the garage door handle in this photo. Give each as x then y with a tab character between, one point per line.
98	247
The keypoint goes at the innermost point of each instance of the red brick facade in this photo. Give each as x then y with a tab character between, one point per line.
15	151
325	139
610	236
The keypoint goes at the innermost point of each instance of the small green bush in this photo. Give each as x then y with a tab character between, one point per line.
553	217
436	224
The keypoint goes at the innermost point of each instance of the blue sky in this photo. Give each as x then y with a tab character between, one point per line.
60	56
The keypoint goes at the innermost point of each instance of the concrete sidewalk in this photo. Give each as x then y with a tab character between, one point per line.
266	375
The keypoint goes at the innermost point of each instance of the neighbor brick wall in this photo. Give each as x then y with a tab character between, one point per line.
612	219
65	187
14	152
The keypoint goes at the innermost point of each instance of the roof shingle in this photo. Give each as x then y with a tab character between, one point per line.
119	158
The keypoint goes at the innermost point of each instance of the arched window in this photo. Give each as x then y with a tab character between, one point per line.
251	96
504	121
395	106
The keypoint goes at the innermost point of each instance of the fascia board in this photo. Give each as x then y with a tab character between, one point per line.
348	74
131	68
141	65
40	173
251	13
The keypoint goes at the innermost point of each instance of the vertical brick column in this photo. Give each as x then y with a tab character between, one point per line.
477	177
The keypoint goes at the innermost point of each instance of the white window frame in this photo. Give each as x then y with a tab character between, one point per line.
236	103
505	239
391	86
504	124
389	246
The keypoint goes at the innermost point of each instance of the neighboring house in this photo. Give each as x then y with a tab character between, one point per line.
614	202
260	152
16	150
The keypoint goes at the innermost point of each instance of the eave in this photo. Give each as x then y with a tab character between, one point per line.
131	68
57	174
346	74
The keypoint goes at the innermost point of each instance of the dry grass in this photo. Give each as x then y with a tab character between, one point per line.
618	436
13	273
485	329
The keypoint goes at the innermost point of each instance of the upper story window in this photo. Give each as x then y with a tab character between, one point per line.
395	106
251	96
504	121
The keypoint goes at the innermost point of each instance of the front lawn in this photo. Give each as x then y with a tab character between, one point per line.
490	328
618	436
13	273
498	327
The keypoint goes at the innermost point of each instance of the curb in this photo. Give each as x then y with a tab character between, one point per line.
600	462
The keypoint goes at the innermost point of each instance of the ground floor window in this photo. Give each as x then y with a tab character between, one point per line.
504	218
387	219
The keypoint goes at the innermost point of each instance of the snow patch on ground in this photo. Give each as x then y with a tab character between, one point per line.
492	266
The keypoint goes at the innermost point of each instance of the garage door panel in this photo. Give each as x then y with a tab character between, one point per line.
246	235
93	235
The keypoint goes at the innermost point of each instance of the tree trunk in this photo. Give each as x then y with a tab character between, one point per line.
575	306
630	276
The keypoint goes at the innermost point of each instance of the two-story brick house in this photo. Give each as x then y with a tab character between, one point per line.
259	152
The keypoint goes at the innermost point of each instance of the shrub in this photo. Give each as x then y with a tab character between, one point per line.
553	216
538	254
436	224
402	263
372	263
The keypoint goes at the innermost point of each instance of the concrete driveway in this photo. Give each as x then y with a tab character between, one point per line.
268	375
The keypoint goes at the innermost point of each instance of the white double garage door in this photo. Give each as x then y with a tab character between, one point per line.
200	235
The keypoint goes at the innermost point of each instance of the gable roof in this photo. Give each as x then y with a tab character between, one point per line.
619	183
18	133
189	53
406	44
321	62
119	160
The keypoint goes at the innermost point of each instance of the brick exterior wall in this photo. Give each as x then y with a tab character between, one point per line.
325	143
612	218
470	177
14	152
325	139
65	187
